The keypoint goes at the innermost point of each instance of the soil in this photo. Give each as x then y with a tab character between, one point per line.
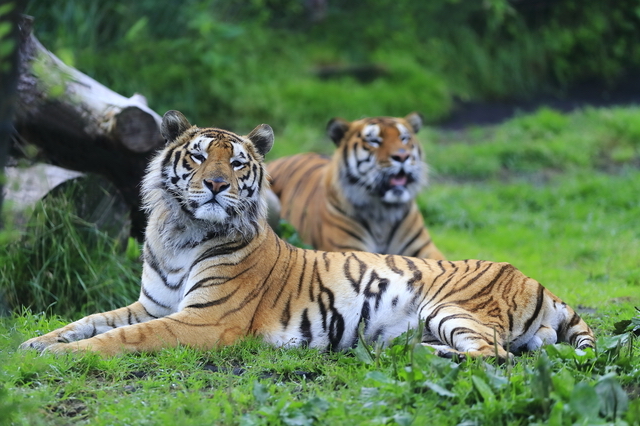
624	92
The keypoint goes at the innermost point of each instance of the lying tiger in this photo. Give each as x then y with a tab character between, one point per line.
362	199
214	272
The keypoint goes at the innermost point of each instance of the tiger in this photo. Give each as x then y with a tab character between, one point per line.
363	197
215	273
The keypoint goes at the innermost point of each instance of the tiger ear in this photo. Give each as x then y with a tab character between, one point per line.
416	120
174	123
262	138
337	128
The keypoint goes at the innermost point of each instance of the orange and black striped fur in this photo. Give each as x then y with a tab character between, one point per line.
214	272
363	198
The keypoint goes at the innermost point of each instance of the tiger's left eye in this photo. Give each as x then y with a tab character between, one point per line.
198	158
236	164
374	141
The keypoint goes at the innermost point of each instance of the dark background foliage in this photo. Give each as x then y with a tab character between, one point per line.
237	63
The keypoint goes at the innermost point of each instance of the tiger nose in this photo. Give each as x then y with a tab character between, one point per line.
216	185
400	156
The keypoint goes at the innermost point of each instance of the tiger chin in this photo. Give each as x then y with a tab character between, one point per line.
363	197
215	272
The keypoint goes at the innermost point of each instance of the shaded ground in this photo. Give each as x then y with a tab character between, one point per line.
593	93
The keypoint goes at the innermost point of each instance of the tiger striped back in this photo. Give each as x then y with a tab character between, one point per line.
214	272
363	197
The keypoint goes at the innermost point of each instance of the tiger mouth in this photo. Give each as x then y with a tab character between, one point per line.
211	200
401	179
396	182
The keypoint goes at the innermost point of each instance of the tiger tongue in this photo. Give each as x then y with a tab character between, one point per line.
398	180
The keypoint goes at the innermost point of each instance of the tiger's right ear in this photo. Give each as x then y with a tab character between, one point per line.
337	128
416	120
174	123
262	138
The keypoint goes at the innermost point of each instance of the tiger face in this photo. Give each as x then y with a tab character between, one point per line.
212	174
382	160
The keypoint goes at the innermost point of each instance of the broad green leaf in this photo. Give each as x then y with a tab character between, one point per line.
379	377
541	384
260	392
315	407
295	418
403	419
584	401
555	417
613	399
563	383
612	342
410	374
560	351
633	413
439	389
495	377
362	353
483	389
621	326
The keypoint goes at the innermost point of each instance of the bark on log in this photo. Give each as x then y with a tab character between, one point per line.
79	124
91	198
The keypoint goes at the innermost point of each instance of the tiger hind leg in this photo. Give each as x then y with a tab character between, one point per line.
453	332
444	351
544	336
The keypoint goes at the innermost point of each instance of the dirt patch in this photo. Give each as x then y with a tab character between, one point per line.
595	93
71	407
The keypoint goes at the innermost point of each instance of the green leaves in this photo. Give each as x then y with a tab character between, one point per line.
484	390
629	326
583	402
558	385
438	389
613	399
284	410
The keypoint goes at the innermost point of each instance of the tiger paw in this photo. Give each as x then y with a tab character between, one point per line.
80	347
455	356
64	348
38	343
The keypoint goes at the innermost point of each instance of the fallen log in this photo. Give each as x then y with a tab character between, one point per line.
79	124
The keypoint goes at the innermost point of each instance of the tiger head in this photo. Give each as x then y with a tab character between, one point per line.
210	177
379	159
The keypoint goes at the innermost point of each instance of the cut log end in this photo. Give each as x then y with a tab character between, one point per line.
137	130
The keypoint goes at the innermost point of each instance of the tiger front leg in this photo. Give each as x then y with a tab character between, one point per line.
182	328
89	327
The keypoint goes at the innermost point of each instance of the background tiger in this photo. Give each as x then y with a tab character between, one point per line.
362	198
214	271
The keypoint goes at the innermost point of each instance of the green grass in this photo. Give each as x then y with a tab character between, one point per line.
564	209
252	383
62	262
